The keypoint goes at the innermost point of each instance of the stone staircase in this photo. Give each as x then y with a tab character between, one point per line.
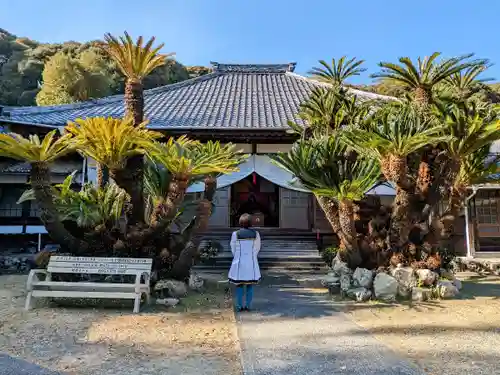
282	250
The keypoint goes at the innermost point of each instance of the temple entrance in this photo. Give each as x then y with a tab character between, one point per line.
256	196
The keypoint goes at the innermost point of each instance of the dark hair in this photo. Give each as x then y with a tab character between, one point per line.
245	221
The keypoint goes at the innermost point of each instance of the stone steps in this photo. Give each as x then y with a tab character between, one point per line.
281	251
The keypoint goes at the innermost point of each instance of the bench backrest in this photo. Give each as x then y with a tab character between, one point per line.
99	266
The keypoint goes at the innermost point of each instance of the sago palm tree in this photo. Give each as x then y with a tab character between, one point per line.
338	71
112	143
464	84
40	154
336	180
472	133
392	134
422	77
389	137
135	61
327	110
186	160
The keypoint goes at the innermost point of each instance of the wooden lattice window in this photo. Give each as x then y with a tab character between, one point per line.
487	207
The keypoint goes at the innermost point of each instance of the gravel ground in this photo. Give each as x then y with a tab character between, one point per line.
460	336
78	340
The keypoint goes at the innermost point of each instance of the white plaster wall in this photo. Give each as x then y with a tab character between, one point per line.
272	148
245	148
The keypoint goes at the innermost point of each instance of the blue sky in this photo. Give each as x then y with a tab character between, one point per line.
272	31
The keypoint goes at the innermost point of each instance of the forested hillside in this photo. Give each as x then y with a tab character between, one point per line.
35	73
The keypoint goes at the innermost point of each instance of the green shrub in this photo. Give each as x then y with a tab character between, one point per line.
329	254
210	251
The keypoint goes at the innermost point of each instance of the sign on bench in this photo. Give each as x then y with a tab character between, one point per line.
140	267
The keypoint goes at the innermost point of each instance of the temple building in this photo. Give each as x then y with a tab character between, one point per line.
249	105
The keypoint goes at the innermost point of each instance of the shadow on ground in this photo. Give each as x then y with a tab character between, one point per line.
15	366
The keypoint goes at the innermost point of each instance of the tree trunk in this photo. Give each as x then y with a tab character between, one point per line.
455	203
347	226
182	266
133	179
176	192
40	181
102	175
134	100
400	218
329	207
422	97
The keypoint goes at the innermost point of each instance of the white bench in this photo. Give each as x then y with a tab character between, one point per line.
37	287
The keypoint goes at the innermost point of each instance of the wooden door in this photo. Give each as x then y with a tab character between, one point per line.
294	209
222	201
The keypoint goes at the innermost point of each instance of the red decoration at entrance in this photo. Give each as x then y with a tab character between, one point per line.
254	178
317	235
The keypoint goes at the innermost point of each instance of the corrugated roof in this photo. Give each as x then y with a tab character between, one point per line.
233	96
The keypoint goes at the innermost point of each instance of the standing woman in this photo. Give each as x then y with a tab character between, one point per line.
245	271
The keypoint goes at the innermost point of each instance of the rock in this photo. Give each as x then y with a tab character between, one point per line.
406	279
385	287
171	288
427	277
359	294
340	268
446	274
421	294
457	283
363	278
446	289
330	280
169	302
345	282
196	283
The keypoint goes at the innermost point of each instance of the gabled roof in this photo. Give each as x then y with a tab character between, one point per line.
233	96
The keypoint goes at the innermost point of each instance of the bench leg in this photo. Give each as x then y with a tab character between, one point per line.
27	305
137	303
148	298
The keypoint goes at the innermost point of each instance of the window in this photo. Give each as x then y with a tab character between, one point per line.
487	207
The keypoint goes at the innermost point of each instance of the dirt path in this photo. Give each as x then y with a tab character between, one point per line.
197	338
460	336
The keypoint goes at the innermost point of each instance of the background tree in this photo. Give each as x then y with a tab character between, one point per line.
22	62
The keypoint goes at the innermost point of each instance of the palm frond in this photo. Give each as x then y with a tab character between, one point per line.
322	166
339	71
34	150
110	141
135	60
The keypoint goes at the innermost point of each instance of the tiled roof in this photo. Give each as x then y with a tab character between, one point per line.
231	97
22	168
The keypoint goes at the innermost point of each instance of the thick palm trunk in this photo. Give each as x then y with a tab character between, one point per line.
134	100
400	218
40	181
176	193
182	266
448	219
132	178
330	208
422	97
349	244
102	175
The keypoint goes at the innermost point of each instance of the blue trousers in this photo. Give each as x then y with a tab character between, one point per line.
246	290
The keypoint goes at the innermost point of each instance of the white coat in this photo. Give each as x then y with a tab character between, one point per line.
245	266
